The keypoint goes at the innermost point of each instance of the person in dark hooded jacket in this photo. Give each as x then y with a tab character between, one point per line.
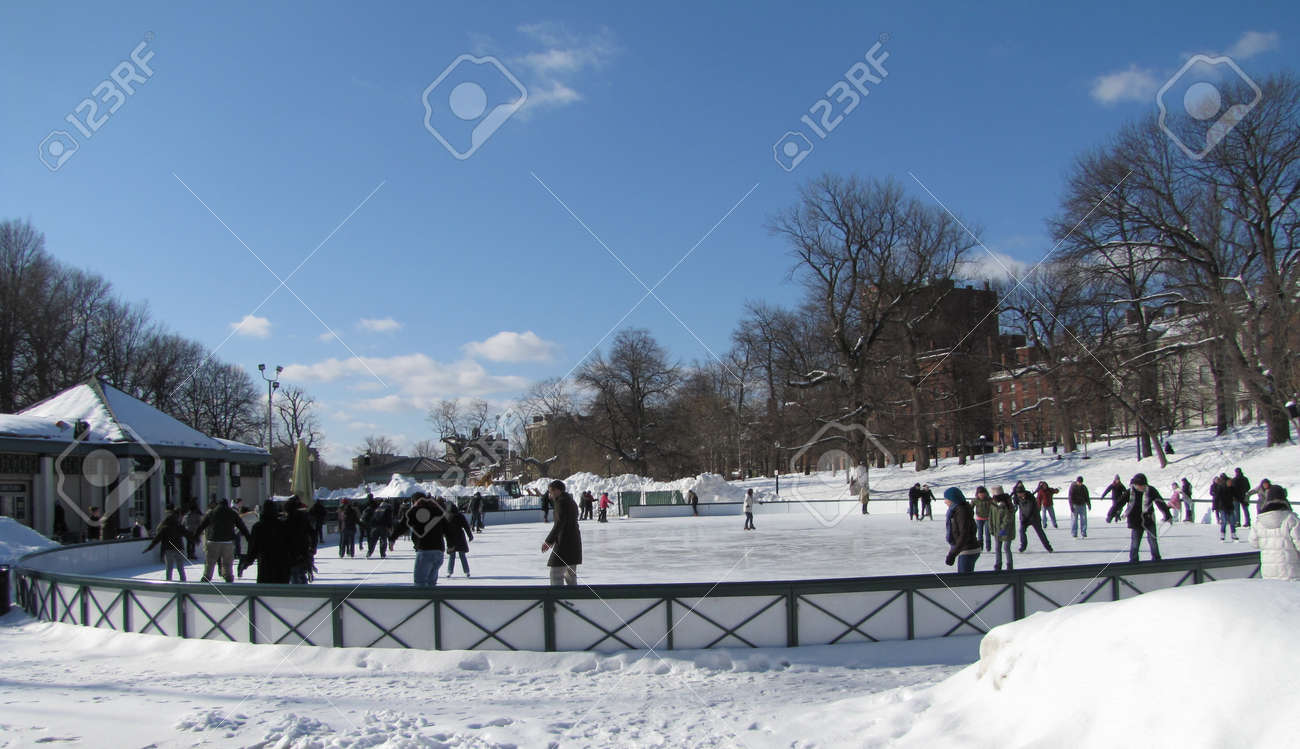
1142	504
1002	526
963	545
1118	499
459	534
349	518
171	536
1029	517
269	547
1241	495
301	541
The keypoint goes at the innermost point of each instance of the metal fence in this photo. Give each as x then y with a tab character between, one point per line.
603	617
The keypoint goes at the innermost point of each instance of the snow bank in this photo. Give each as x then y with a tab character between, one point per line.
709	486
1210	665
17	540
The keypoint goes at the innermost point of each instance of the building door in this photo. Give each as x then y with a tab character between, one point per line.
15	502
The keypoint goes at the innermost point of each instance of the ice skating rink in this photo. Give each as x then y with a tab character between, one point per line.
796	545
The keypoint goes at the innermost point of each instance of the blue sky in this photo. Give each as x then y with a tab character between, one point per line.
304	123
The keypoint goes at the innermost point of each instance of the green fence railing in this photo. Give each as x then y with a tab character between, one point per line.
601	617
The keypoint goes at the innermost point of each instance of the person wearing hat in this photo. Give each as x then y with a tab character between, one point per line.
927	498
1002	526
565	539
1142	503
1080	503
1118	499
428	522
1276	533
963	545
1029	517
914	501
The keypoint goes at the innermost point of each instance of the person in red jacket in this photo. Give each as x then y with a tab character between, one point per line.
605	503
1044	494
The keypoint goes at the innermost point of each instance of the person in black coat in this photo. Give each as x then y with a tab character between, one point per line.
1240	494
1187	500
348	520
172	537
427	520
269	547
318	514
381	527
459	534
301	541
565	539
546	506
1224	506
927	499
1143	501
476	512
1118	499
963	545
913	501
1030	517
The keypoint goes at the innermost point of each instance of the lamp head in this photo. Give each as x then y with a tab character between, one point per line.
261	367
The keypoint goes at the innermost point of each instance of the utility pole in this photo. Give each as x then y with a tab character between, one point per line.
272	384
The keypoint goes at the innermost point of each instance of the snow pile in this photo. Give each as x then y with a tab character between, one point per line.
1210	665
17	540
709	486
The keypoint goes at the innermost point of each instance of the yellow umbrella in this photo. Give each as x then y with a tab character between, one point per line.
300	484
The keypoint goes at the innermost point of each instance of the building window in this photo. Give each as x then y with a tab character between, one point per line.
1000	405
1013	404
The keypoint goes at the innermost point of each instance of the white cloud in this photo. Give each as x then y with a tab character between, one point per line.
995	267
1134	84
508	346
253	327
1253	43
379	325
326	337
548	72
416	378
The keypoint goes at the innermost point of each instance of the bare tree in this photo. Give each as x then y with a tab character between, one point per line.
868	255
296	409
376	444
426	449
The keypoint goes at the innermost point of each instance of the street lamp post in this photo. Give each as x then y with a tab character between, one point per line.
272	384
777	472
984	469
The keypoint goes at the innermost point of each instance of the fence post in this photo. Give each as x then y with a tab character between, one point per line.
336	621
791	619
548	622
1018	598
4	590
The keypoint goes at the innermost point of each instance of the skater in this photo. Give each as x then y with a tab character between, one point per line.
546	506
565	539
367	514
221	524
1044	494
1240	491
1080	503
927	499
1175	501
459	535
171	535
427	519
317	511
1277	536
1141	517
584	506
268	547
914	501
348	519
95	527
381	527
861	482
191	522
1002	524
249	516
1029	517
983	505
692	499
1221	496
301	546
1118	499
476	512
748	507
605	503
1189	502
963	546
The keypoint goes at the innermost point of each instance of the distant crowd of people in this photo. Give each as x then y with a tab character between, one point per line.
988	522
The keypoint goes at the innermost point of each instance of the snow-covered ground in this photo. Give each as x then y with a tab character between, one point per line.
1208	666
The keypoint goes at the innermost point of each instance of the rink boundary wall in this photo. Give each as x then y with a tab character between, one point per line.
55	586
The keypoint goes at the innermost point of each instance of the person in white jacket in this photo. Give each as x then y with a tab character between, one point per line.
749	509
1276	533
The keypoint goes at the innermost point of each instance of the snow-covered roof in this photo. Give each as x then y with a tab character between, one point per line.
112	417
